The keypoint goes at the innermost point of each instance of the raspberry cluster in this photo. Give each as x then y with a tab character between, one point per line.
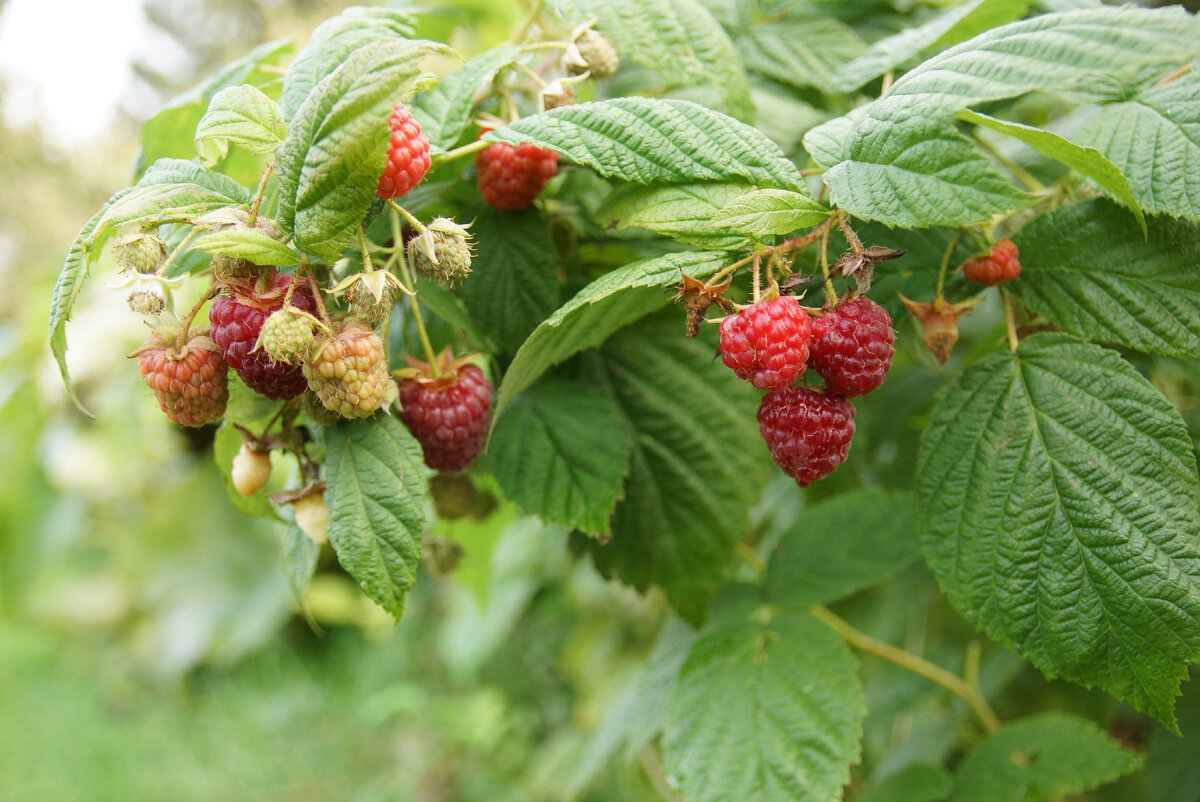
408	155
448	414
512	176
189	382
771	343
999	266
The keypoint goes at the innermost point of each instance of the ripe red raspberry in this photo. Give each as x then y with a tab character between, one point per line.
510	177
808	432
408	155
997	267
767	344
237	317
851	346
189	383
448	415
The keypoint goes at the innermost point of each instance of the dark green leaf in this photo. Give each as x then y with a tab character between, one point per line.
801	52
445	112
917	783
682	212
1172	771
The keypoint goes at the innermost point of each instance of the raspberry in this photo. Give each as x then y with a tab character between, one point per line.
999	266
349	373
189	383
237	317
408	155
808	432
448	415
851	346
767	344
510	177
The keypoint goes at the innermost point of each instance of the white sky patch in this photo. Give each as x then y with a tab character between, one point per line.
66	63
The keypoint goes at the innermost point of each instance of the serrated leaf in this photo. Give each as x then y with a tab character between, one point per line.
333	42
445	111
609	303
1087	269
1154	138
648	141
697	462
330	163
1086	161
767	212
951	26
171	132
678	39
876	537
801	52
242	116
1057	506
765	714
918	172
512	286
561	451
917	783
1040	758
251	245
299	555
827	142
376	479
682	212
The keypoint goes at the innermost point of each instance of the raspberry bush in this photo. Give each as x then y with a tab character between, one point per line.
458	272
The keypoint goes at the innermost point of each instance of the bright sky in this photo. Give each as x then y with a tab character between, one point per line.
67	62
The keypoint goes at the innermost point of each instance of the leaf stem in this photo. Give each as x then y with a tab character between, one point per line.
911	662
830	292
534	12
1009	321
941	282
1179	73
258	194
307	273
410	287
459	152
366	251
648	757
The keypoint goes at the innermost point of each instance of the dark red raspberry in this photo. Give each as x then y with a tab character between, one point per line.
237	316
767	344
510	177
997	267
851	346
189	383
408	155
448	415
808	432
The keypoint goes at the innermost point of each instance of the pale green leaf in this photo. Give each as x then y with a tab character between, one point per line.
920	782
249	244
561	451
1057	505
827	142
1087	269
445	111
376	479
682	212
765	713
1040	758
242	116
299	555
647	141
801	52
609	303
767	212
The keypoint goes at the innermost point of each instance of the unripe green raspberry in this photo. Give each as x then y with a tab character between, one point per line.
349	373
442	251
140	253
288	335
591	52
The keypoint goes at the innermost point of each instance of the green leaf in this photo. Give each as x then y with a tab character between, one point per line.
648	141
917	783
1172	772
1087	269
801	52
1039	758
918	172
171	132
333	42
449	307
561	451
330	163
1057	501
680	211
827	143
512	286
1086	161
697	463
251	245
299	555
765	713
239	115
876	537
767	212
1154	138
375	486
951	26
678	39
445	111
609	303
